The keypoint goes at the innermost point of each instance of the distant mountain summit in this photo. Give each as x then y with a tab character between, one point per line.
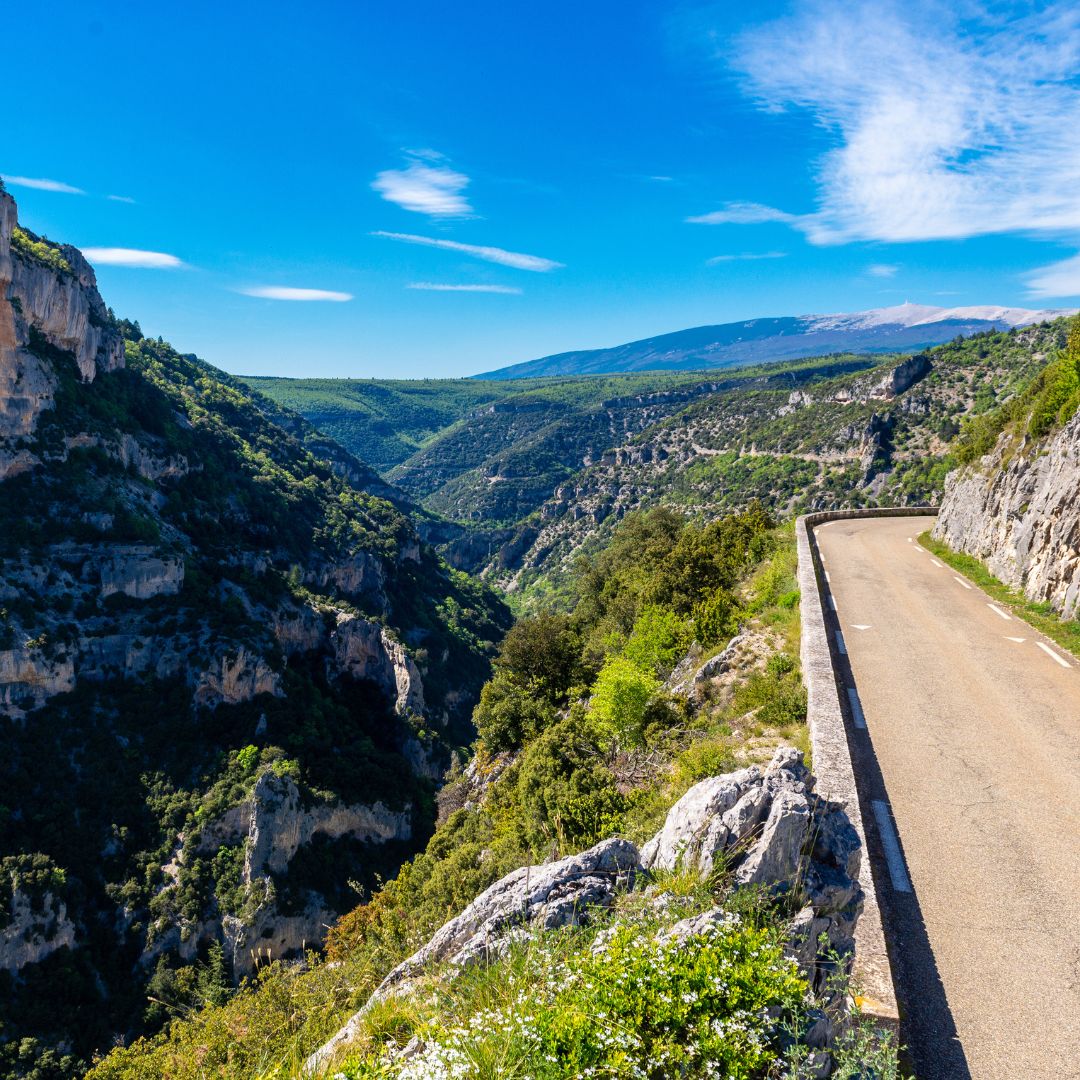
905	327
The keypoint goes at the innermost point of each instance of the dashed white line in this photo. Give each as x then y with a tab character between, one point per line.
936	563
890	844
1018	640
861	626
1050	652
910	540
840	643
832	602
961	581
856	708
997	611
827	578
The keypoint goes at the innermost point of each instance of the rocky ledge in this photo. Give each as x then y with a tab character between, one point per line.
764	825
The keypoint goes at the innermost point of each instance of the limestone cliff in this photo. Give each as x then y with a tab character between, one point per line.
60	302
1016	510
231	672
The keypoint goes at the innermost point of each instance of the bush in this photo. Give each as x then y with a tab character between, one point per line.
568	795
542	654
620	699
658	641
507	717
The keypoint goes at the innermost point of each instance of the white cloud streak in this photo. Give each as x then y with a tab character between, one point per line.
746	256
42	185
434	286
949	120
144	260
435	190
1060	279
882	270
489	254
281	292
743	213
120	198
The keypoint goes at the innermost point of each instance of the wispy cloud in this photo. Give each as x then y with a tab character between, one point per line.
882	270
433	286
743	213
489	254
745	256
1060	279
120	198
43	185
426	187
146	260
282	292
949	120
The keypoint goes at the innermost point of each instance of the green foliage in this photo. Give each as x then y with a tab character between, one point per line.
659	640
508	716
710	1005
568	796
542	655
659	558
1058	394
620	700
1046	401
39	249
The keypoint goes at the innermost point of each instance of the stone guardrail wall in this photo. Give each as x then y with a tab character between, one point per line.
832	762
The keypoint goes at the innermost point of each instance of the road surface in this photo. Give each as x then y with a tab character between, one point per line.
965	731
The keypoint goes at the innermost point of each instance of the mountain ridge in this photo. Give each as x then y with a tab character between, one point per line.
905	327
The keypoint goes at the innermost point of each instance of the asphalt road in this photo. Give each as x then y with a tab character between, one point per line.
969	767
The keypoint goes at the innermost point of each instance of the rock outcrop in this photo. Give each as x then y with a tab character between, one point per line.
272	825
35	928
1016	510
61	305
765	826
544	897
364	650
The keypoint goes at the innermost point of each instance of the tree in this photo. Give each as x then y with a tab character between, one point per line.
621	697
542	654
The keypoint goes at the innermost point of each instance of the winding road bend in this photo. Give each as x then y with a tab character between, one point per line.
965	731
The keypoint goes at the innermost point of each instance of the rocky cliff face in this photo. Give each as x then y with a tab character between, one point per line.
37	926
63	306
229	682
1016	510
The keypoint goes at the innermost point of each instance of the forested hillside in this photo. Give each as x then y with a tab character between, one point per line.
531	477
230	673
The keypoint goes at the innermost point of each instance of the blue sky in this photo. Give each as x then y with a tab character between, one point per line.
572	175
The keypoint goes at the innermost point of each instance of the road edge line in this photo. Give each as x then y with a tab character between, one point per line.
832	763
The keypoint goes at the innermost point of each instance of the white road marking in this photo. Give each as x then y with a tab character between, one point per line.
827	578
1050	652
936	563
832	602
1018	640
840	643
861	626
910	540
961	581
856	708
890	844
997	611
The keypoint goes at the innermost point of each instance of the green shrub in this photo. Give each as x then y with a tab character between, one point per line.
507	716
568	795
620	699
658	640
714	1004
